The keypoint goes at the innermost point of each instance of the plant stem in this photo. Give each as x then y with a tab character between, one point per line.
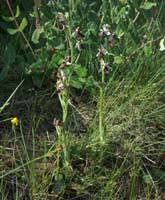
17	26
63	140
101	128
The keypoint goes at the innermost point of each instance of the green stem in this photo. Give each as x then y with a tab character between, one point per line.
101	128
63	140
71	6
21	32
64	103
65	149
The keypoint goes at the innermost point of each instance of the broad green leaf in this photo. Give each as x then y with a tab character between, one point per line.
56	60
82	80
35	66
118	60
148	5
76	83
37	80
80	71
23	24
36	35
90	82
162	44
60	47
59	184
12	31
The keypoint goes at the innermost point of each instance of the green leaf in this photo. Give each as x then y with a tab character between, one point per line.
8	59
76	83
162	44
37	80
119	32
12	31
59	184
9	54
4	72
80	71
17	12
118	60
60	47
10	19
34	67
148	51
90	82
23	24
147	179
55	61
148	5
36	35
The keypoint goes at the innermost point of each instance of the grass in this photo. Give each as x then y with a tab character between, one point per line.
72	158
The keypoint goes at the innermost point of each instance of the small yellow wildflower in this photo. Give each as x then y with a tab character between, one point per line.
15	121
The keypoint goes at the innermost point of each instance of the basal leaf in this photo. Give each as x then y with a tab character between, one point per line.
37	80
118	60
80	71
76	83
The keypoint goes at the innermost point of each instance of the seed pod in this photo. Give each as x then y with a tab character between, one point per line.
52	51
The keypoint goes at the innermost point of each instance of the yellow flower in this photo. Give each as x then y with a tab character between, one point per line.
15	121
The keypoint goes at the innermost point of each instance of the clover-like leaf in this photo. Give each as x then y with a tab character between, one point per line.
23	24
12	31
148	5
80	71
